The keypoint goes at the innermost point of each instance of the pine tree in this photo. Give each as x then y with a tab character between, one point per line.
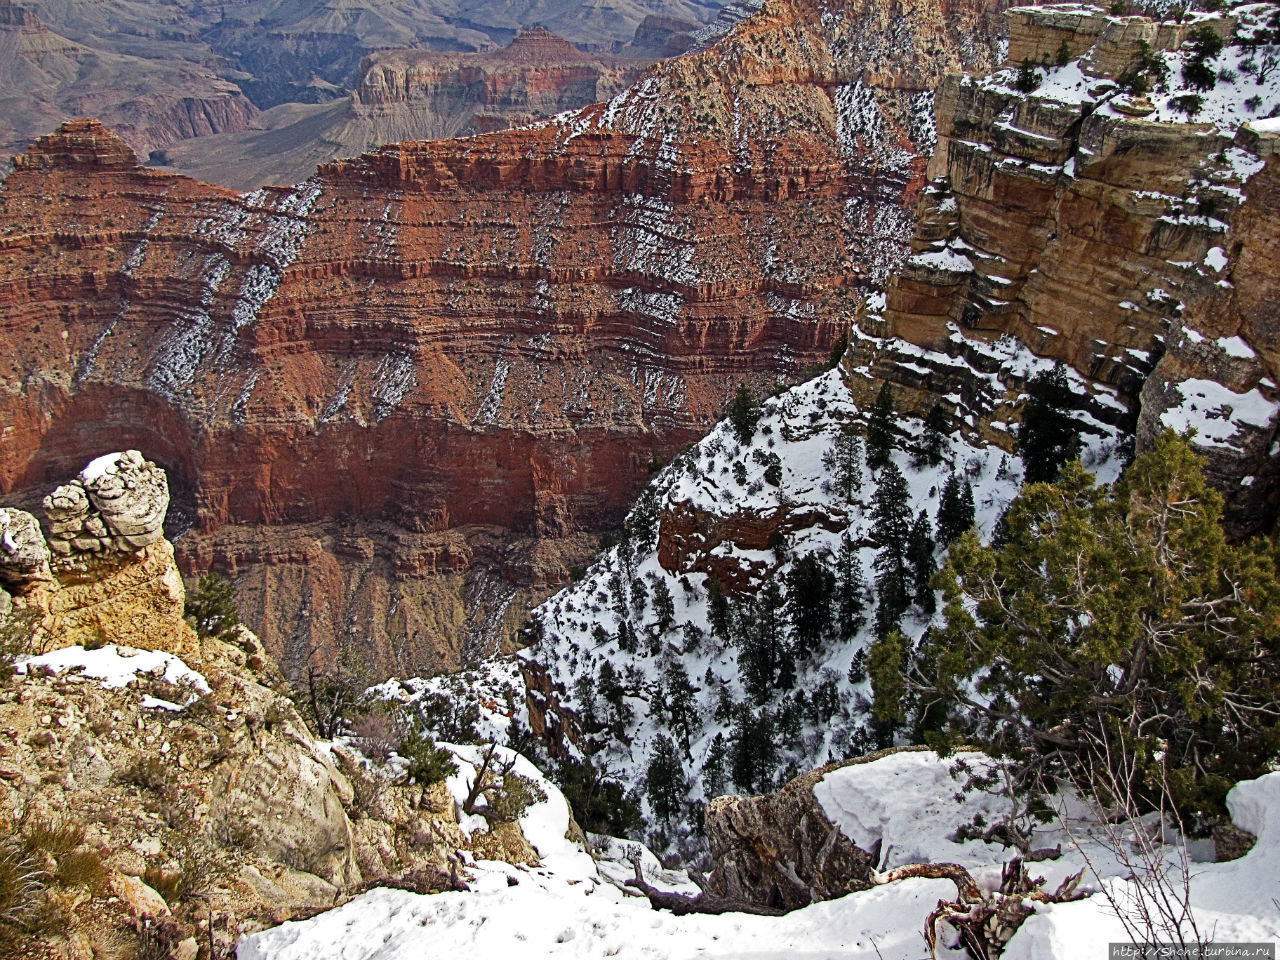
934	446
887	668
955	516
754	751
627	640
882	429
1085	629
719	611
810	586
765	660
920	549
850	589
681	705
743	413
843	459
713	772
664	780
1048	435
614	695
664	607
212	607
891	528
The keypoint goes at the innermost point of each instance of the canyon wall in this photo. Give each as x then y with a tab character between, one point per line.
1106	229
400	398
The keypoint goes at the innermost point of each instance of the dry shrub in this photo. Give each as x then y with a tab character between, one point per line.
148	773
83	868
22	886
376	734
54	836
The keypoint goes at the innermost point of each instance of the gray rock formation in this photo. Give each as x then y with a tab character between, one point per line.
24	556
116	504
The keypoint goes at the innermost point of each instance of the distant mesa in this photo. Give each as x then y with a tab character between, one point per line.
84	142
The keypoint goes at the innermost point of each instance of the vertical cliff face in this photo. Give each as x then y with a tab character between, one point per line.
1106	229
397	397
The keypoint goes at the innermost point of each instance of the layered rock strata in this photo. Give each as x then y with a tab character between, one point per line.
104	570
1105	230
396	395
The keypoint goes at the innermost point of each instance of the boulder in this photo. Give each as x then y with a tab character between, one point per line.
24	555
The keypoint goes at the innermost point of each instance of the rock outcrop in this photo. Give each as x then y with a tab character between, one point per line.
104	570
197	792
434	374
781	849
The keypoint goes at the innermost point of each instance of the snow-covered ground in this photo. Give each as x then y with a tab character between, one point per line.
565	907
115	666
720	478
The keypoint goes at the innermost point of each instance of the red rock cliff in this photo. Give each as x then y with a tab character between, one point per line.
395	398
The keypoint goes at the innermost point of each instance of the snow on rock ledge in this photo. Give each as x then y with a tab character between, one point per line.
115	666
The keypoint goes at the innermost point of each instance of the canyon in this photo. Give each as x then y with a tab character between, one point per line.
1064	220
417	94
402	399
253	79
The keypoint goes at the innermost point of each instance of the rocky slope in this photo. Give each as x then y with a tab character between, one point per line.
46	77
189	788
432	374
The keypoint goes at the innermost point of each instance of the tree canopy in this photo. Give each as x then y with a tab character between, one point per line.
1114	637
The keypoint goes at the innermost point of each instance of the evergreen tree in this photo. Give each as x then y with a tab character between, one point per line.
935	445
584	690
611	690
743	413
882	429
850	588
211	607
1116	638
754	751
1048	435
719	611
681	705
858	667
627	640
920	549
664	607
955	510
664	780
600	804
765	659
810	586
891	528
843	459
713	772
887	668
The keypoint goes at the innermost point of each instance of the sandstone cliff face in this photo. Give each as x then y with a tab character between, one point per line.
1104	230
430	96
203	795
452	362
